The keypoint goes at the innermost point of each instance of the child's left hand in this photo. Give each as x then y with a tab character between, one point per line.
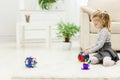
86	51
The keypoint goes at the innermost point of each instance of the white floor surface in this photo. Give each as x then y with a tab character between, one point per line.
56	62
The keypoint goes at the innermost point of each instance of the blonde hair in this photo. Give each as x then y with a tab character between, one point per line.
104	16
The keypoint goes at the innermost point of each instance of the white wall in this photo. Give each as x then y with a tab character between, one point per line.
72	8
8	12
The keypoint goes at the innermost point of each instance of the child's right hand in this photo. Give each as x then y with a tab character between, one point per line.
86	51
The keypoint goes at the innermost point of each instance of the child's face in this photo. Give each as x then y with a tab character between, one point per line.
97	22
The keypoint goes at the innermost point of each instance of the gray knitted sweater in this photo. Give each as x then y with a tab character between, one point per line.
103	36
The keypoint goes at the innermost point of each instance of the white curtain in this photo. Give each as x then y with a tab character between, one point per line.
73	10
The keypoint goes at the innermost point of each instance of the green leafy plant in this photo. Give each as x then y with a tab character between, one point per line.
67	30
46	4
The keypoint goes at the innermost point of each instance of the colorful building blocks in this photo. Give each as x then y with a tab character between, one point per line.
30	62
84	58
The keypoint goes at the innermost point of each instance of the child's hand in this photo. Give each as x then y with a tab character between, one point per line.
85	51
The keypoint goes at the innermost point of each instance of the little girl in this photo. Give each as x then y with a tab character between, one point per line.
106	54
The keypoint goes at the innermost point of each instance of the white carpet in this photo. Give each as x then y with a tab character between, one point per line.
55	65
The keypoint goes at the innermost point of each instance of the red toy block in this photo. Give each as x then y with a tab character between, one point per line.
81	57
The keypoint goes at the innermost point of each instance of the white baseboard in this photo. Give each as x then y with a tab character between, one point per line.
7	37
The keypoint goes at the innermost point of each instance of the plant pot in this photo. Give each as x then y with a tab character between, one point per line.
66	45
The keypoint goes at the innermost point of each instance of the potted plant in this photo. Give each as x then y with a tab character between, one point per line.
46	4
67	30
